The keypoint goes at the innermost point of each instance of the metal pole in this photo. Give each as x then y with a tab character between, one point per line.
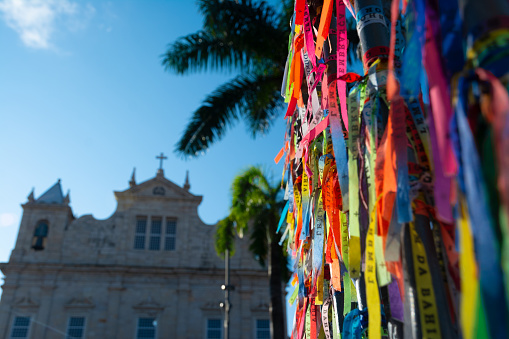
226	288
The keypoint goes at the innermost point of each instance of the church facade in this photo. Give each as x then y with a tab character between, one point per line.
148	271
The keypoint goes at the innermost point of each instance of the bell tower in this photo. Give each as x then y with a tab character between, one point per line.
42	227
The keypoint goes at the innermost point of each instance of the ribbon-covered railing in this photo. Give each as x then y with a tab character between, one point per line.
398	179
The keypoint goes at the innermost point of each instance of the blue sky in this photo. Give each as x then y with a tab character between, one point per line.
84	98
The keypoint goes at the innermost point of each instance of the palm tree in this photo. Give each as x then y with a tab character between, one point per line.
256	208
245	37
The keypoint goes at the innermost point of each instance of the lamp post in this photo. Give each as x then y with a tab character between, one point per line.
227	288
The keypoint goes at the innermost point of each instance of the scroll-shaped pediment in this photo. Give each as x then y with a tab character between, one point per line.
25	302
158	188
211	306
148	305
261	307
80	303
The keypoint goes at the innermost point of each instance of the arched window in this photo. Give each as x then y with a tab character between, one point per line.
40	235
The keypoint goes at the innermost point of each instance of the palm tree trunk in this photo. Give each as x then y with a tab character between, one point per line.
276	308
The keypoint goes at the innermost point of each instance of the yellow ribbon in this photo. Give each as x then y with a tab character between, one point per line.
430	324
372	295
469	280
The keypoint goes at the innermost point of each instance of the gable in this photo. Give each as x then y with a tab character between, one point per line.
158	188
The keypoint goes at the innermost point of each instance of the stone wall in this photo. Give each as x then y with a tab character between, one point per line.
90	268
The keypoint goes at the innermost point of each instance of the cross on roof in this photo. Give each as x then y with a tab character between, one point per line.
161	158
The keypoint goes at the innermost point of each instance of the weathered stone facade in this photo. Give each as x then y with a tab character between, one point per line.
91	269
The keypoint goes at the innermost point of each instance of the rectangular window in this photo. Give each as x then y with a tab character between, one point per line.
171	232
214	328
75	328
139	236
146	328
262	329
20	327
155	234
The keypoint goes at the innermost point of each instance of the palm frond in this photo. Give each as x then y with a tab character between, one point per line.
225	106
225	236
250	196
234	36
249	180
284	21
255	208
251	27
263	104
220	15
201	51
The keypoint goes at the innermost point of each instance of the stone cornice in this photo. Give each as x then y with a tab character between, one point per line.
48	287
24	267
3	266
116	288
46	206
9	286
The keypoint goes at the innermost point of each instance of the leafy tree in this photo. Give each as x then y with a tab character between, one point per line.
245	37
255	209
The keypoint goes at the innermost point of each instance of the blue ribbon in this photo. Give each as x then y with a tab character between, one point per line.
352	325
491	278
339	147
283	216
451	30
300	276
411	68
